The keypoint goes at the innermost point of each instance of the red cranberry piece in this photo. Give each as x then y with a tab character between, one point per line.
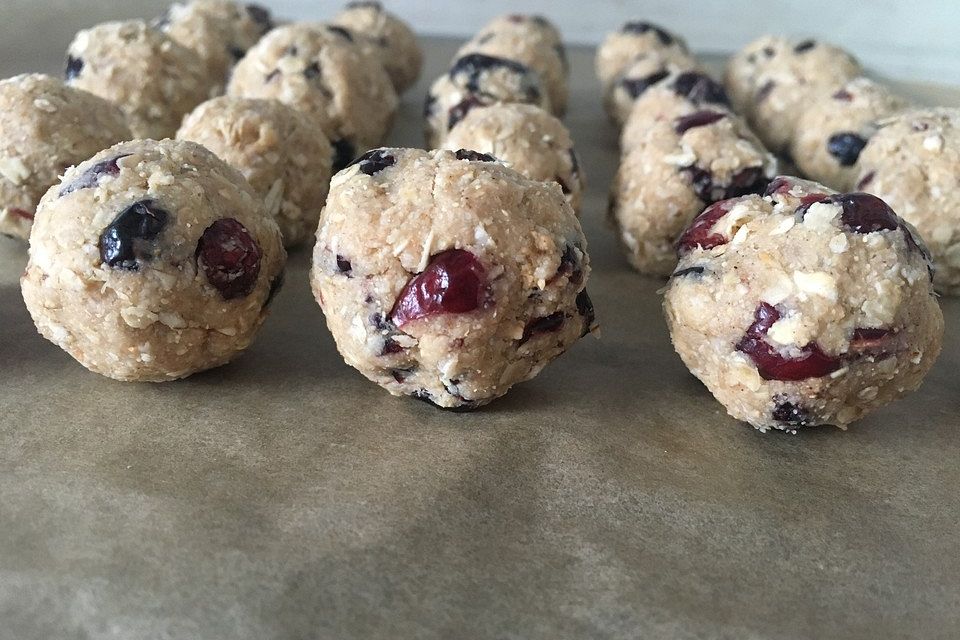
803	47
845	147
780	184
460	110
343	153
21	213
91	177
843	95
636	86
546	324
747	181
773	365
343	265
698	119
453	282
872	342
229	257
130	238
73	68
375	161
700	88
866	213
474	156
702	182
586	311
699	233
866	180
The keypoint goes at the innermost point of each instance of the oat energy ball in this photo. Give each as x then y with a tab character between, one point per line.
390	38
773	80
528	140
634	40
446	276
804	307
321	71
45	128
283	154
152	261
647	70
913	162
219	31
478	80
154	80
835	127
667	178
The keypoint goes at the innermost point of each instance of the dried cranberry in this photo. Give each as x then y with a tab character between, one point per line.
429	105
467	405
343	265
843	95
312	71
460	110
473	65
812	362
563	185
474	156
636	86
700	88
865	213
375	161
453	282
586	311
546	324
697	119
803	47
764	92
73	68
400	375
91	177
343	153
845	147
639	28
700	234
130	238
261	16
570	265
751	180
229	257
390	347
21	213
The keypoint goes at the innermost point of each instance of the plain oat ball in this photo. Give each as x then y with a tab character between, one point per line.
913	162
153	80
45	128
152	261
528	140
679	167
219	31
645	71
836	126
773	80
633	40
283	154
389	37
448	277
804	307
320	70
477	80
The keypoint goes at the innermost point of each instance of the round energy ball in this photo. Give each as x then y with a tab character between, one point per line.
911	162
448	277
804	307
773	80
633	40
647	70
283	154
667	178
477	80
219	31
153	80
389	37
152	261
45	128
319	70
835	128
528	140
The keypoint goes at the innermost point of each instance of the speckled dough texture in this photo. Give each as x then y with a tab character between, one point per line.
634	40
282	153
667	177
45	128
120	275
528	140
393	217
803	307
388	37
913	162
836	125
645	71
772	80
320	70
154	80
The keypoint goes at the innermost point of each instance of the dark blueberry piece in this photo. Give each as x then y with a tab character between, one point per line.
866	180
636	86
374	161
768	52
344	266
429	104
460	110
453	282
845	147
843	95
586	311
574	162
789	414
700	87
771	363
570	265
340	31
546	324
563	185
312	71
229	257
21	213
474	64
91	177
639	28
764	92
745	182
751	180
689	271
424	396
73	69
474	156
700	234
236	52
275	286
698	119
702	182
803	47
343	153
292	51
261	16
865	213
130	238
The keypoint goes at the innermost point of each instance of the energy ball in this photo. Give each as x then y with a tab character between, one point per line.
321	71
153	80
773	80
389	37
528	140
912	163
448	277
805	307
152	261
645	71
835	128
45	128
633	40
219	31
667	178
477	80
283	154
